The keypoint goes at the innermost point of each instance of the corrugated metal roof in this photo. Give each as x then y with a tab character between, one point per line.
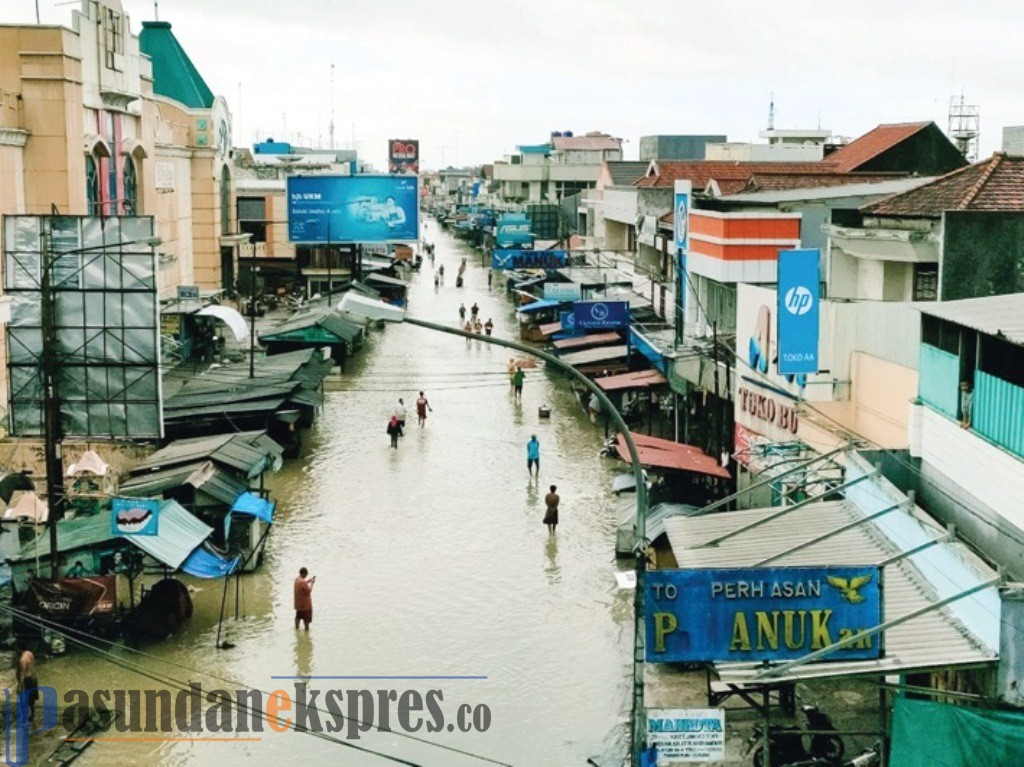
249	452
600	354
1001	316
933	639
593	339
178	535
217	483
77	533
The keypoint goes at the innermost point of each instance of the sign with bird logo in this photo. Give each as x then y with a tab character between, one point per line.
763	613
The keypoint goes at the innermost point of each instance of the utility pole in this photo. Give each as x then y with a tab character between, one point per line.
51	403
254	273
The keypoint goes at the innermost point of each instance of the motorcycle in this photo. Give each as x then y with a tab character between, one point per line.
787	745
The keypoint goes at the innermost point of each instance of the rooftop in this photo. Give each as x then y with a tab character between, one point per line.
174	74
592	142
872	144
996	184
1000	316
729	176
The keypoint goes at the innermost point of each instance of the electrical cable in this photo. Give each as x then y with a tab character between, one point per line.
67	631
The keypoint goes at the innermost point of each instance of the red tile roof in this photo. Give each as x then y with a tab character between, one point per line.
994	184
702	172
872	144
771	181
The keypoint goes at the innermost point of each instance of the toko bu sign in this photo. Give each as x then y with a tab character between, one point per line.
762	613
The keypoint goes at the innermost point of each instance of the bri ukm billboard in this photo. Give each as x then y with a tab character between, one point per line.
326	209
403	155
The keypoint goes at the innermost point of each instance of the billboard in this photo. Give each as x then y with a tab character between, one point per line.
681	214
799	284
601	315
503	259
100	276
513	230
326	209
761	614
403	155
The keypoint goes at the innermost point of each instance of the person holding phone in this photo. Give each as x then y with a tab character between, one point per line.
304	598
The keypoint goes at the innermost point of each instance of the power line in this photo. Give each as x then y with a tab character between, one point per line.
170	681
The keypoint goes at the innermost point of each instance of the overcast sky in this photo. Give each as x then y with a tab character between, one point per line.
471	79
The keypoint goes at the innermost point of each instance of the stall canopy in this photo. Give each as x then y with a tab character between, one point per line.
384	279
641	379
666	454
203	563
254	506
538	306
178	535
583	342
591	356
229	317
550	329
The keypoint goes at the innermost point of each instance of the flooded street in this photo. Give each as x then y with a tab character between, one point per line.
432	561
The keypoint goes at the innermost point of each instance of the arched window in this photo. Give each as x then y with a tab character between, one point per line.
92	185
131	188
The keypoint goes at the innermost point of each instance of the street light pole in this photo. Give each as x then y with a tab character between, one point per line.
638	714
253	274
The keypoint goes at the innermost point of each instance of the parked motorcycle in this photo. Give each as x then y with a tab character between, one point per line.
788	745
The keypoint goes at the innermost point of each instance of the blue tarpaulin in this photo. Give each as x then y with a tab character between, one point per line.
537	306
203	563
254	506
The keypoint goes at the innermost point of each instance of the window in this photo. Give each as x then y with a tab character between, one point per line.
926	282
1002	359
113	38
940	334
252	215
721	306
92	185
131	187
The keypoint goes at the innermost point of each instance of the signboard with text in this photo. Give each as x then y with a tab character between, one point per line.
505	259
681	218
403	155
761	614
799	288
601	315
328	209
563	291
687	734
513	230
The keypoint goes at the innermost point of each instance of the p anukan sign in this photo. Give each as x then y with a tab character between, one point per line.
762	613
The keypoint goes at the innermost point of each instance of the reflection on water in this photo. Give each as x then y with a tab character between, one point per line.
432	560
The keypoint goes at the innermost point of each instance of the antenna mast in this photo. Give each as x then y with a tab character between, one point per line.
964	127
330	125
771	111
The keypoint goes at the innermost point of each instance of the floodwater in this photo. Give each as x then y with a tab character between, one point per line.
431	561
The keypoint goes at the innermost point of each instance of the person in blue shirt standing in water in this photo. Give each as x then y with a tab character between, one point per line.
533	456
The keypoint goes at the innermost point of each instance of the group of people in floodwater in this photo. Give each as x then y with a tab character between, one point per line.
396	424
473	324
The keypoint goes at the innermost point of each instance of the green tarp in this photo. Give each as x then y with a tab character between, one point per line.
926	734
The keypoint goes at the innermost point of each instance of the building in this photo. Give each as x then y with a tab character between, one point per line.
782	146
968	457
562	167
676	147
919	147
957	237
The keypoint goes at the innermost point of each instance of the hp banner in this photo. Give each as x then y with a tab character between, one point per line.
799	281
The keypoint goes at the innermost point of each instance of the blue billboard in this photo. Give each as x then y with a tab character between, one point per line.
761	613
504	259
601	315
799	283
513	230
681	216
325	209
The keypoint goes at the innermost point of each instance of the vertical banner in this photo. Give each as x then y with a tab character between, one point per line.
681	209
797	334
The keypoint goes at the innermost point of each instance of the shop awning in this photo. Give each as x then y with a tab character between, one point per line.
538	306
584	342
229	317
254	506
203	563
592	356
640	379
839	532
550	329
384	279
666	454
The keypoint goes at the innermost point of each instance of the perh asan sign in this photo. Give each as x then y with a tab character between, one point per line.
758	614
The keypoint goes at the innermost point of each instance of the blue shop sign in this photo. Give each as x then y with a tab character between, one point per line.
798	296
761	614
601	315
329	209
504	259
